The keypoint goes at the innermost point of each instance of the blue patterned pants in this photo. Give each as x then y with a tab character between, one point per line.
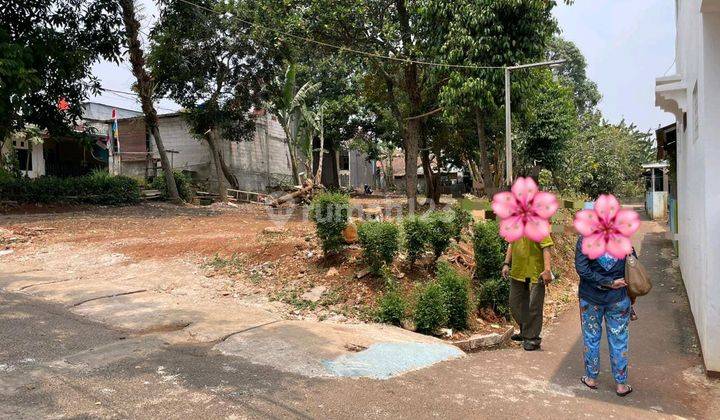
617	318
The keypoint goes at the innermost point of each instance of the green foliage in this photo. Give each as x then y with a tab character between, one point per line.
495	294
182	181
456	290
430	310
489	249
198	57
391	307
461	220
416	233
96	188
572	73
548	123
47	50
440	231
379	241
330	213
605	158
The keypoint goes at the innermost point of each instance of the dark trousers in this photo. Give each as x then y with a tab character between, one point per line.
526	305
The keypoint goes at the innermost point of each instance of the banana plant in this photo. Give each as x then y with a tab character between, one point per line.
289	107
313	125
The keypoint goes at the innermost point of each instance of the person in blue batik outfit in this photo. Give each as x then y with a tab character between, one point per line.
603	296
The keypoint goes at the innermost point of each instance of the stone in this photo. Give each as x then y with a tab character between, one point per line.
372	213
482	341
339	318
350	234
274	230
314	294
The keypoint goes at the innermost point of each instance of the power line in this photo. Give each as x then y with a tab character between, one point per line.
342	48
135	96
670	66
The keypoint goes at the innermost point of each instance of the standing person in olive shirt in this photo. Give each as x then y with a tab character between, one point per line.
527	264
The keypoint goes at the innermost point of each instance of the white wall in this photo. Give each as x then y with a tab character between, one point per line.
257	164
37	157
193	154
695	90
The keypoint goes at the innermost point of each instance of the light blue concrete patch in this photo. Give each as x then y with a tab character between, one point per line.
385	360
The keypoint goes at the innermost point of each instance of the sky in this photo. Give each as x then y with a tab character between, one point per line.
627	45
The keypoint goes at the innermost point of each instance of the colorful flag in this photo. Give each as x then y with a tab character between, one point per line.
114	131
63	105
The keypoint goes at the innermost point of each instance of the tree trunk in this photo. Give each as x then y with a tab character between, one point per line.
321	154
411	140
431	178
215	152
389	172
145	88
485	172
478	187
293	163
227	172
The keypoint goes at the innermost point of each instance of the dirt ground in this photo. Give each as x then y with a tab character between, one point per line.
250	250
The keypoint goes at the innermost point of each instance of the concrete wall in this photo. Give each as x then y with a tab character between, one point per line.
259	163
693	95
193	154
263	162
37	157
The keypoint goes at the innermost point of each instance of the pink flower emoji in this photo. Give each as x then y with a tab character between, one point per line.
524	211
607	228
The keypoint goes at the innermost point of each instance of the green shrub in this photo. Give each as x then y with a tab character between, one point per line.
181	180
379	241
96	188
461	219
456	290
440	231
495	294
391	307
416	232
330	212
430	311
5	175
489	249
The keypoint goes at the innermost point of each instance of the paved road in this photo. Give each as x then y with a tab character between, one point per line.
54	363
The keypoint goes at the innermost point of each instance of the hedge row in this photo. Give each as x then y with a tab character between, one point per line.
96	188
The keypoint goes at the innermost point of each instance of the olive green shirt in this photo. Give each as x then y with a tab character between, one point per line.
527	259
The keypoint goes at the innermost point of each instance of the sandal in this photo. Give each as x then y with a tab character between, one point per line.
584	381
622	394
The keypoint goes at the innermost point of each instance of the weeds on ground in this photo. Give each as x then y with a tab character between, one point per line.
233	265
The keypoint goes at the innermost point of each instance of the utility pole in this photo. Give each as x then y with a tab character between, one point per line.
508	114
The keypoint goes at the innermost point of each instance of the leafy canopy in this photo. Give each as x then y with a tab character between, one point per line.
46	53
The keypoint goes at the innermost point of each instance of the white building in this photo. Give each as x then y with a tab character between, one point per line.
693	96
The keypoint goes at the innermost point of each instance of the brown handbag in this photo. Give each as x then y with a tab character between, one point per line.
636	277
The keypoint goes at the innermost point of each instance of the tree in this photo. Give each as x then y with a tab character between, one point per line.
572	73
145	87
604	158
46	54
548	121
492	33
387	28
214	66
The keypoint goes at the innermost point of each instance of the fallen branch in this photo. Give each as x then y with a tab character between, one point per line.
307	189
